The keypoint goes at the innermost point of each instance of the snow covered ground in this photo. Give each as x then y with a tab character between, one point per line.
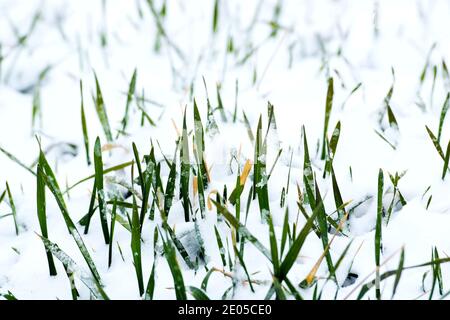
387	60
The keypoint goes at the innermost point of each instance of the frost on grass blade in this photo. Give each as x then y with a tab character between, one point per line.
71	267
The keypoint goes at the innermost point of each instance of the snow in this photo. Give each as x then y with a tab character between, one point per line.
373	37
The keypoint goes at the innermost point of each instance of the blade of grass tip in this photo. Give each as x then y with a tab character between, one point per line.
98	163
308	173
136	246
130	95
328	107
215	15
13	208
84	126
145	182
101	110
435	143
248	126
71	267
199	138
17	161
111	240
220	104
332	145
399	272
177	275
378	232
444	111
185	170
51	182
42	217
260	176
446	161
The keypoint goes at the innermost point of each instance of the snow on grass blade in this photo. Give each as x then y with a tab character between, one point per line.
71	267
42	216
444	111
98	162
101	110
435	143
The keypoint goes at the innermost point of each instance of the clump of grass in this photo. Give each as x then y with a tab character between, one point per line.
50	181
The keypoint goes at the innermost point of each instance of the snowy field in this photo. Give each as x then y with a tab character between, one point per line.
224	149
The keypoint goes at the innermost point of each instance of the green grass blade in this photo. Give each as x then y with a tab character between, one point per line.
111	240
197	293
169	252
98	163
446	161
130	95
185	171
42	217
136	246
84	126
435	143
328	107
101	110
378	231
